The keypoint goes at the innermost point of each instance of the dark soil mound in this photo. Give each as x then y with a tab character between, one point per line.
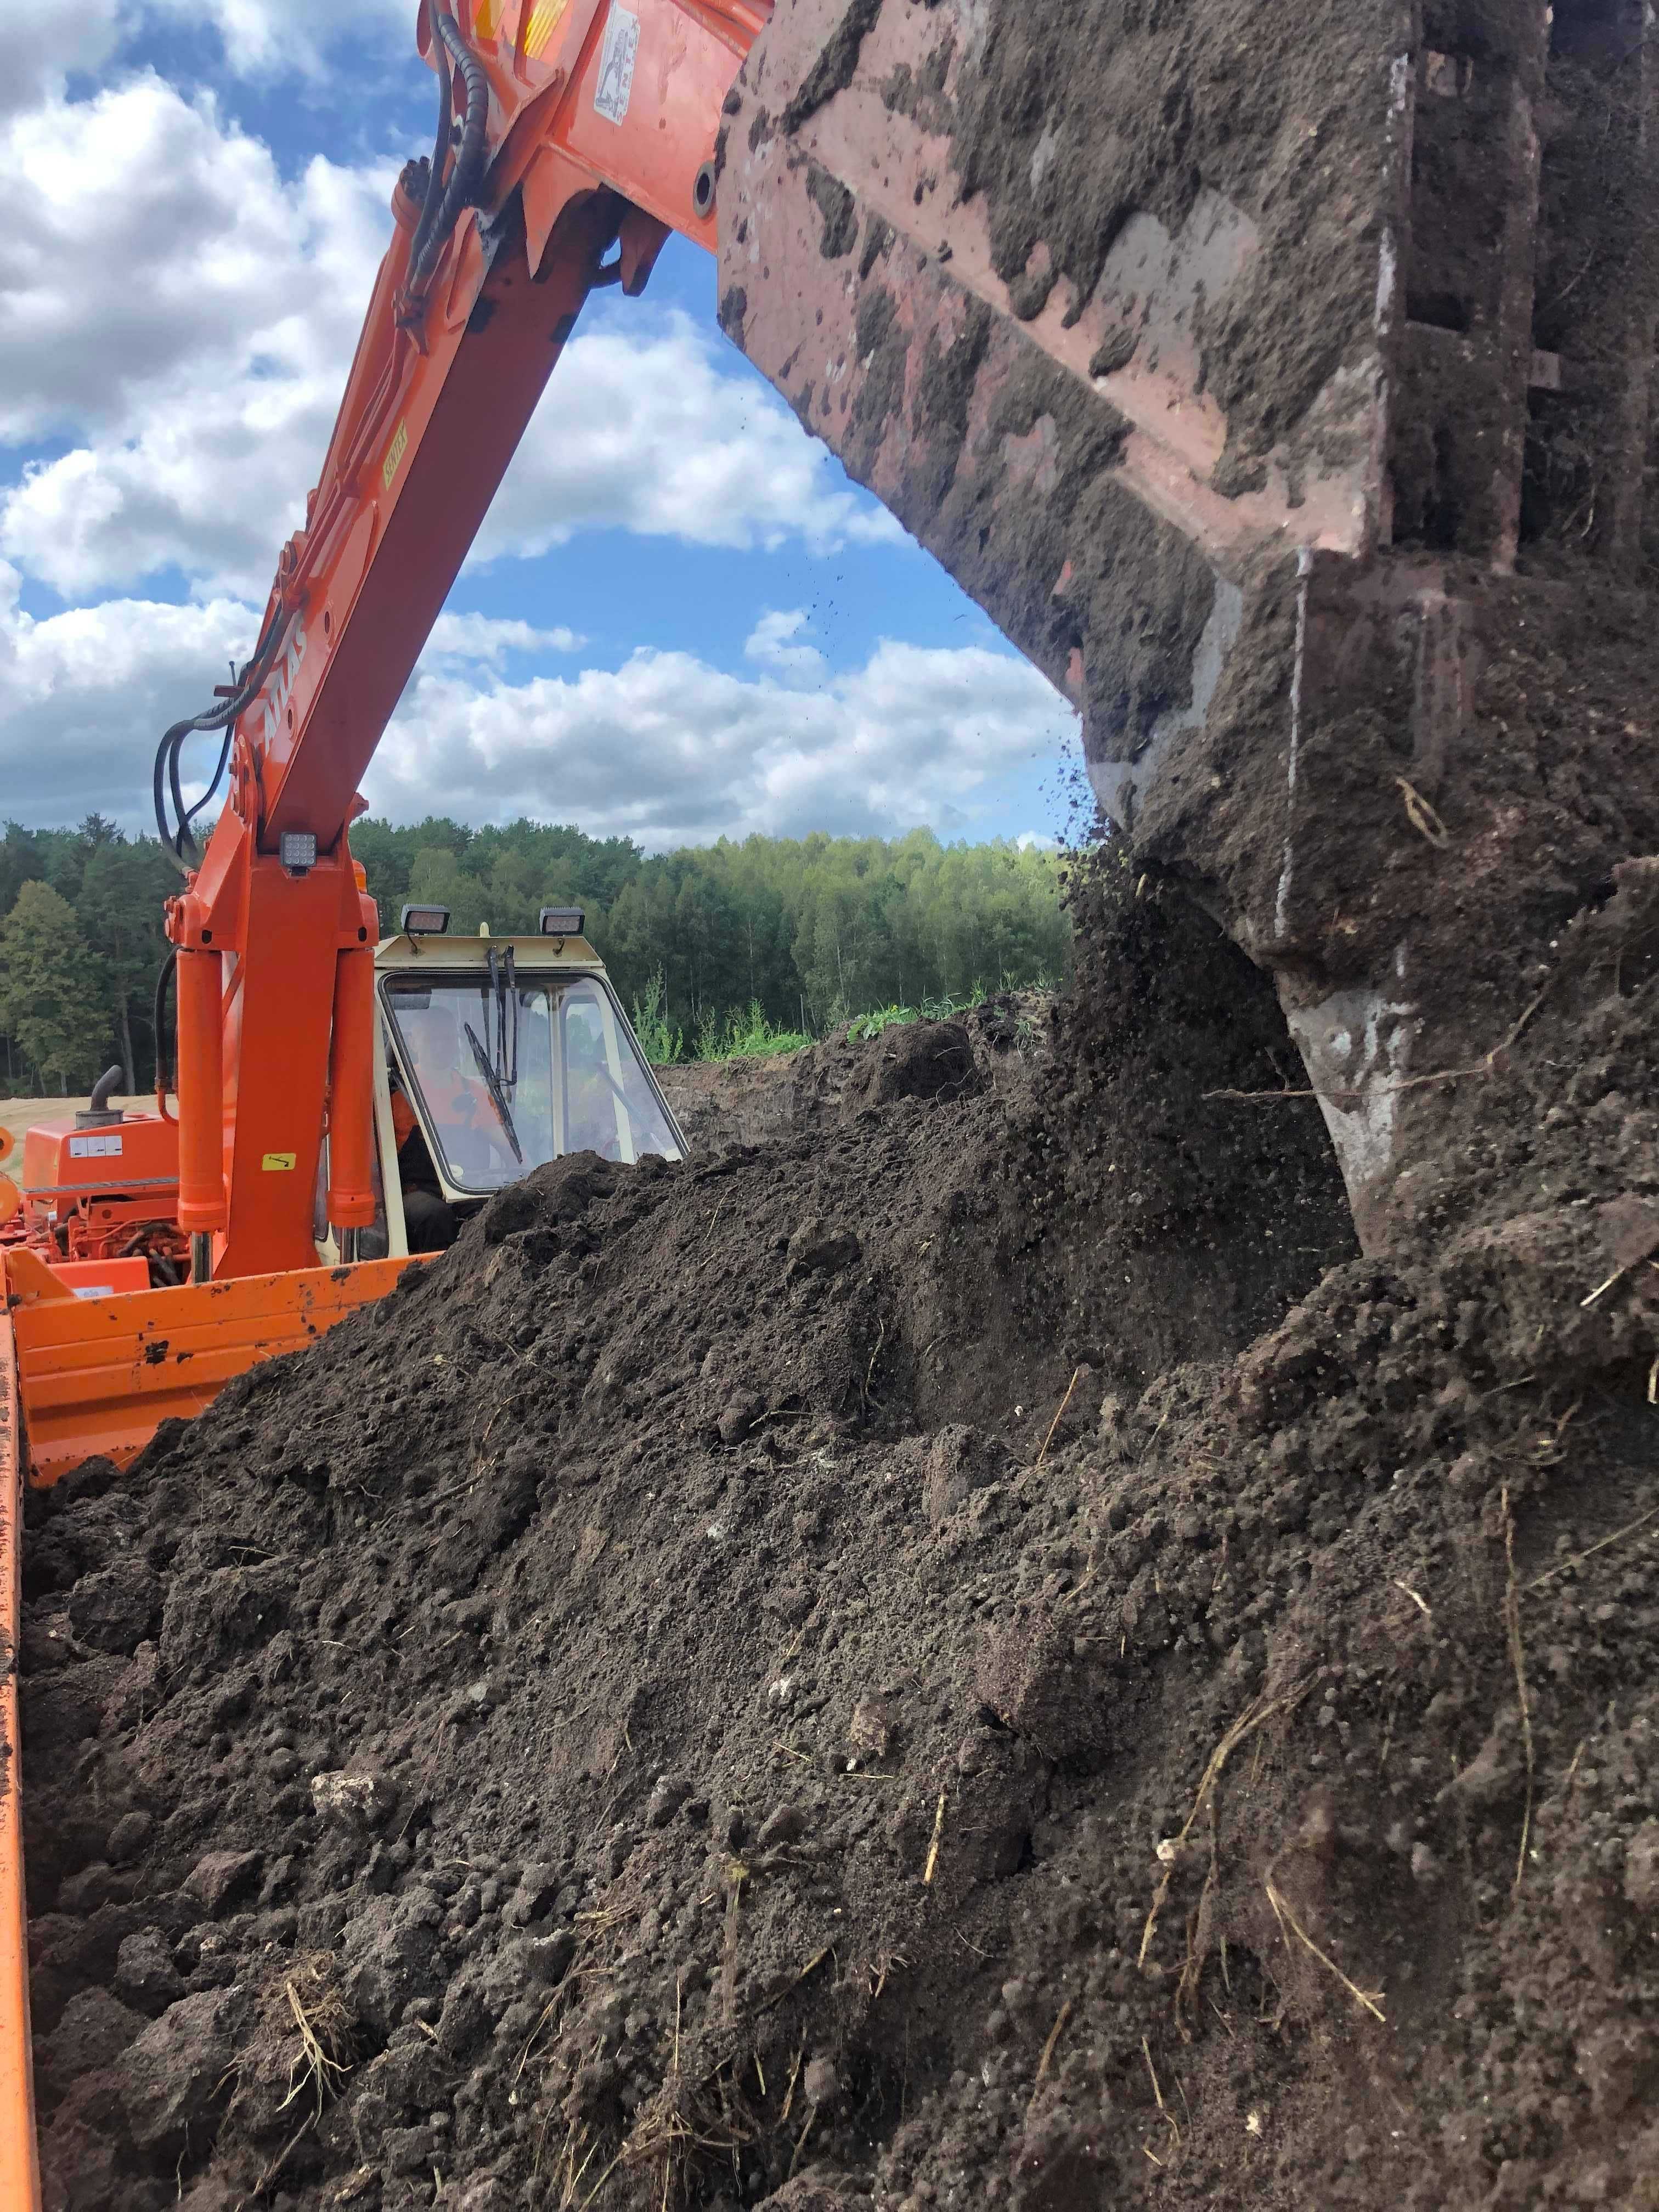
663	1713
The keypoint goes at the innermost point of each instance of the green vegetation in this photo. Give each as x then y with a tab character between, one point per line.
746	948
659	1040
930	1009
80	942
746	1034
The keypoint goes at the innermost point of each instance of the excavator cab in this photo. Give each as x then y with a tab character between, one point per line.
491	1057
496	1055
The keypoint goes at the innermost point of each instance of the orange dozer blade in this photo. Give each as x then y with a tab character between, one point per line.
96	1376
19	2176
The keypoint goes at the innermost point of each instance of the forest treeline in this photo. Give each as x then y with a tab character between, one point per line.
809	930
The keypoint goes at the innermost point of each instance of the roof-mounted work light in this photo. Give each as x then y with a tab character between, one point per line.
424	920
562	922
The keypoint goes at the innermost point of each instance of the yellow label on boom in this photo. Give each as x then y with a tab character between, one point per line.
394	458
280	1163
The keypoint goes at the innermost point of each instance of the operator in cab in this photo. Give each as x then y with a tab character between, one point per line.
429	1218
464	1116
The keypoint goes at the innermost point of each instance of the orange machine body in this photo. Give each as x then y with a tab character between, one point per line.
104	1195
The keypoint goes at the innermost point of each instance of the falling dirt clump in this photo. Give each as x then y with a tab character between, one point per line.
972	1652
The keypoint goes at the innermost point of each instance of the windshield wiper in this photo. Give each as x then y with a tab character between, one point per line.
497	1095
504	988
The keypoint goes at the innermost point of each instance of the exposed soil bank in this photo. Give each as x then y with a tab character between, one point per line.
667	1705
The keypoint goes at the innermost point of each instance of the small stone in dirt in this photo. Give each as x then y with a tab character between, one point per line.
213	2193
484	2193
671	1792
786	1824
533	1899
821	2082
741	1413
145	1975
129	1836
1492	1775
408	2151
219	1878
959	1461
361	1800
1642	1867
96	1885
816	1247
871	1728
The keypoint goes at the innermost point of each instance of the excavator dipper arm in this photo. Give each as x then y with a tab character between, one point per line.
576	135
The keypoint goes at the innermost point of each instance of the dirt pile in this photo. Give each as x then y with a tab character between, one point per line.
972	1655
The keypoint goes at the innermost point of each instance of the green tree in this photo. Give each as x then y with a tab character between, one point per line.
50	996
119	907
437	879
20	863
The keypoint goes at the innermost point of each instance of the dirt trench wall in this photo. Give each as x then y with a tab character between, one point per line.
1281	385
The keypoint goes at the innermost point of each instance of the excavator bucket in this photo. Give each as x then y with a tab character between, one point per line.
97	1377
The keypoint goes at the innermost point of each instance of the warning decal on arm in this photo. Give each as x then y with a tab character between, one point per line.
621	45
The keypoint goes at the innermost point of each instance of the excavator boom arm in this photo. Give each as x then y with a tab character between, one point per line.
579	136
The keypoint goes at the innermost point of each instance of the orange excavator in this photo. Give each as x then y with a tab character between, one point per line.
573	137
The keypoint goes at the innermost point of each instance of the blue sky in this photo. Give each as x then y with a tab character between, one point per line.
681	621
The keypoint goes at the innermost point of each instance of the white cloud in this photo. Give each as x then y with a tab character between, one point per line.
152	254
670	436
43	46
777	642
84	695
188	316
487	639
669	749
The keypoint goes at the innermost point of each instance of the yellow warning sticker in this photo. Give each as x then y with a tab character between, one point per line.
544	20
395	452
487	18
280	1163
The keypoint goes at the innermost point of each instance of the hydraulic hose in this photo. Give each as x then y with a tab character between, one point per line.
179	844
467	173
159	1025
434	178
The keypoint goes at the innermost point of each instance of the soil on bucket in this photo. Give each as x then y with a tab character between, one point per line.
972	1653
